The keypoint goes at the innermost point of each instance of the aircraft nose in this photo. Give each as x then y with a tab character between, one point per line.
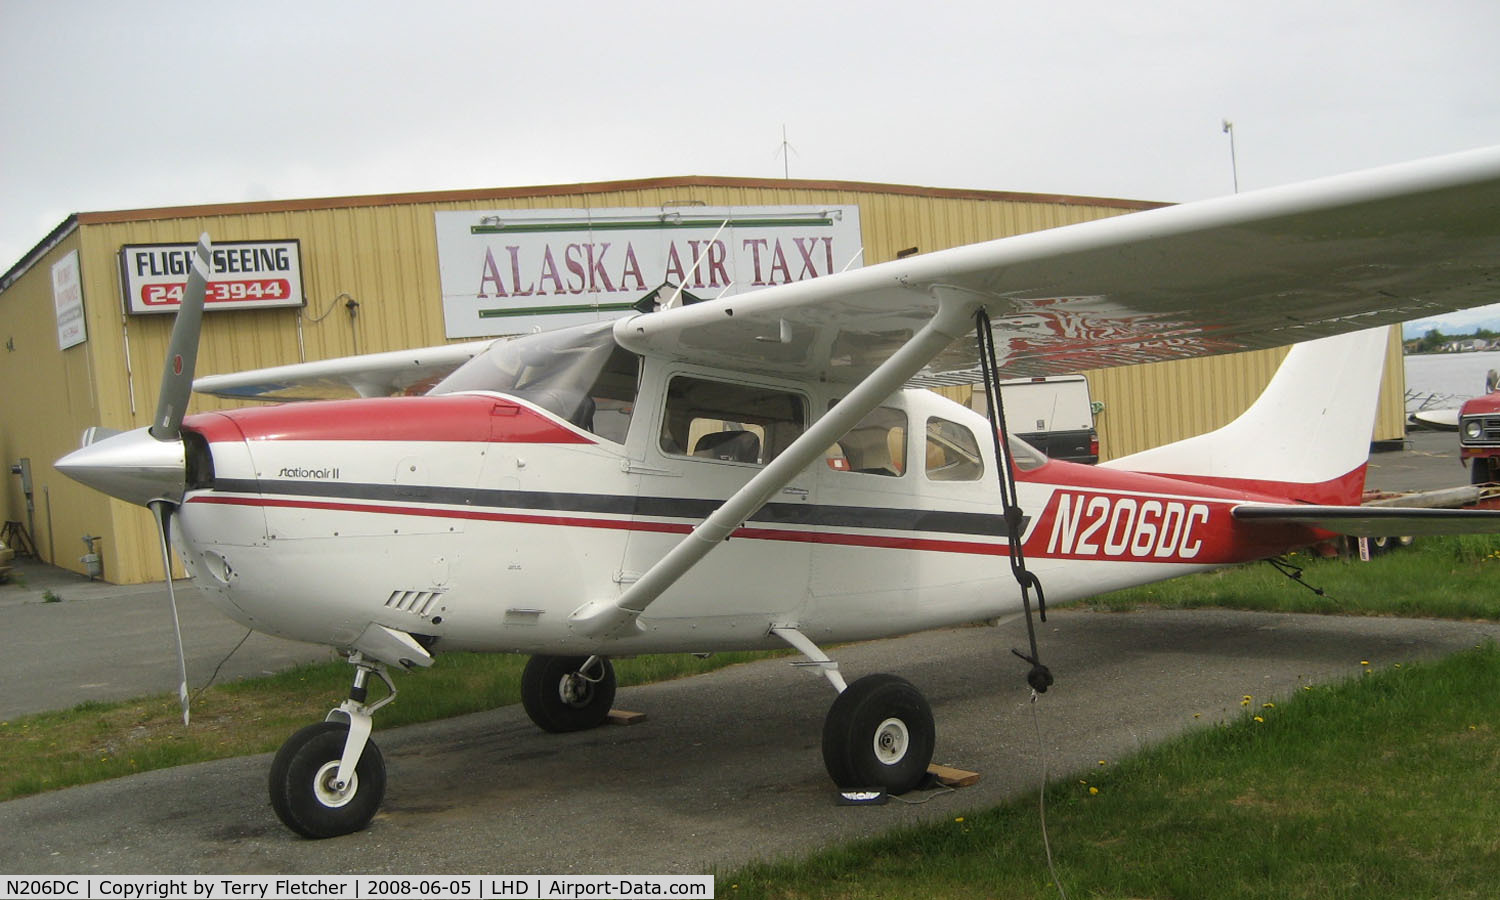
132	466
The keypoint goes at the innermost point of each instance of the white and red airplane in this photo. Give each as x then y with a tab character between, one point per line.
756	472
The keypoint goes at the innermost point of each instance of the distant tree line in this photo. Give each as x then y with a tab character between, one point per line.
1434	340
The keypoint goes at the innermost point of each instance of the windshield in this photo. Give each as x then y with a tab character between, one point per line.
578	374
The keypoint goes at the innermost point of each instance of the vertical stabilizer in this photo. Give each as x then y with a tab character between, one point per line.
1307	437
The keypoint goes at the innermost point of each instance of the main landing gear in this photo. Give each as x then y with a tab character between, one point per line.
879	732
568	693
329	778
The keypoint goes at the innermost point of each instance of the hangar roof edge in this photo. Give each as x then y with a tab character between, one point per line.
555	190
594	187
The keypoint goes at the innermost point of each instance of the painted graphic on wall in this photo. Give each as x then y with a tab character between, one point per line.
517	271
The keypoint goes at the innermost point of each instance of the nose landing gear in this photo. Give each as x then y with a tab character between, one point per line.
329	778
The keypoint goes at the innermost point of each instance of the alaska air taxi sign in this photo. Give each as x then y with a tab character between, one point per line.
515	271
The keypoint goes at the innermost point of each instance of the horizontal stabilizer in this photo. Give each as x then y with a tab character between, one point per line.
1366	521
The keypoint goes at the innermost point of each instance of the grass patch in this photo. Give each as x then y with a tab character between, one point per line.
1382	786
1446	578
95	741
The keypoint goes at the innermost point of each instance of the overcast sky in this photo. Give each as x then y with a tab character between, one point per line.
110	105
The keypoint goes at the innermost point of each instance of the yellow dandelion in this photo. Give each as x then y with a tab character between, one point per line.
1103	763
1307	687
1093	791
959	819
1245	702
1248	697
1259	719
1197	715
1364	662
1268	706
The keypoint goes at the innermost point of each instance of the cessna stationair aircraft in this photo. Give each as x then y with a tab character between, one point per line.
760	471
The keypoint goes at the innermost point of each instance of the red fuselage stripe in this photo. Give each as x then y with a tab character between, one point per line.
759	534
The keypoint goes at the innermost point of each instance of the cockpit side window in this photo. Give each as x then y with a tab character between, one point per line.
613	397
876	446
729	422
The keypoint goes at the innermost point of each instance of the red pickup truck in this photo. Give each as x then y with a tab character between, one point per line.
1479	434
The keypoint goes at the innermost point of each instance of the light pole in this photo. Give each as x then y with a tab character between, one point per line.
1233	164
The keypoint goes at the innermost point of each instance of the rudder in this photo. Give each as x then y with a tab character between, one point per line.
1307	437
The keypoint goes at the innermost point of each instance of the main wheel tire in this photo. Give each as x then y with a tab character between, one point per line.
879	733
558	698
302	793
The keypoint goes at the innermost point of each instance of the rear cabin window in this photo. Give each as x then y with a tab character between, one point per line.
952	452
730	422
876	446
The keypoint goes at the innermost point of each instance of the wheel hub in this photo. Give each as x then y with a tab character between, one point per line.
891	741
575	690
325	786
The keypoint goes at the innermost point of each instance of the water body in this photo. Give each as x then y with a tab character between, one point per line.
1447	378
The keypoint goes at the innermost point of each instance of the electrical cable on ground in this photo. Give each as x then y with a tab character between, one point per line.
931	795
1041	800
220	666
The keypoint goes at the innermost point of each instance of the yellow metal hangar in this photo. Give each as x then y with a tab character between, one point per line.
85	316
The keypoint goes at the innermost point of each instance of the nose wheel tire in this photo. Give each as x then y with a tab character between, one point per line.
304	792
561	694
879	733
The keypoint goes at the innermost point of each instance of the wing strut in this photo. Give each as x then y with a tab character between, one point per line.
612	618
1040	678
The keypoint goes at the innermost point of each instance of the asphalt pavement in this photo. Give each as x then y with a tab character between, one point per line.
70	640
725	769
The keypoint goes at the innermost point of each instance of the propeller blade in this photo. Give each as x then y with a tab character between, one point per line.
162	512
182	352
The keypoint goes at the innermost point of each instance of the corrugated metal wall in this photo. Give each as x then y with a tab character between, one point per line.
44	392
381	252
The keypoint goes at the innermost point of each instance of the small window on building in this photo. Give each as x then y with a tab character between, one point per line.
876	446
730	422
952	452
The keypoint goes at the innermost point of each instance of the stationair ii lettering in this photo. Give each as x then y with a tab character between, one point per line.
1129	527
586	268
324	473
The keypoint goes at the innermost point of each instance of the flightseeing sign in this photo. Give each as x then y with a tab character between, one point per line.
243	275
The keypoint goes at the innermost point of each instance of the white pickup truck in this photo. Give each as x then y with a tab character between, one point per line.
1053	414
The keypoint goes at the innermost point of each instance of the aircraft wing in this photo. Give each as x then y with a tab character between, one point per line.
1242	272
1383	521
367	375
